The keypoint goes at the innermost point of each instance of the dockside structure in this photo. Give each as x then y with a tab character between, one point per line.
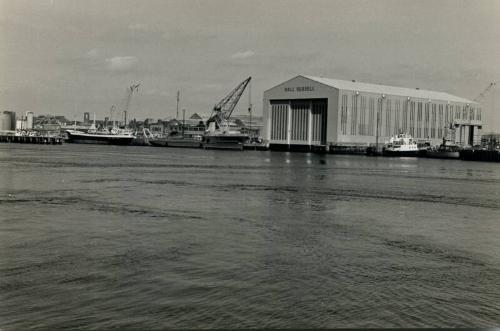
314	112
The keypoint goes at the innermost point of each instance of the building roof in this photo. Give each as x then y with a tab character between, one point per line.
195	116
386	89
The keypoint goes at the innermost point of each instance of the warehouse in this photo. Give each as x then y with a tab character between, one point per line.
308	112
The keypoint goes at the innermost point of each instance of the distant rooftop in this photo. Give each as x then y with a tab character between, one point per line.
386	89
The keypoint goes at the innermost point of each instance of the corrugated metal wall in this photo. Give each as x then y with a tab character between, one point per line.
300	121
299	113
279	121
319	115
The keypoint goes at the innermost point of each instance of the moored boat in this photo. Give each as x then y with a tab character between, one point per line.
178	140
105	137
402	144
222	133
447	150
224	137
481	154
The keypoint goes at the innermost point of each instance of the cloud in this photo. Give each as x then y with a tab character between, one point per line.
157	92
139	27
121	63
93	53
243	55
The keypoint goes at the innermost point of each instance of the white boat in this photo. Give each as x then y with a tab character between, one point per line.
103	136
93	136
402	144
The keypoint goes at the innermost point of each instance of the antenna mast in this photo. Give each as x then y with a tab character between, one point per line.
178	97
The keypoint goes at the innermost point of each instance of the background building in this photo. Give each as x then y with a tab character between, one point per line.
7	121
308	111
29	120
490	141
86	118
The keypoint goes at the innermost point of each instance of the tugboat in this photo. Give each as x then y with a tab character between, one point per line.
447	150
221	133
178	140
402	144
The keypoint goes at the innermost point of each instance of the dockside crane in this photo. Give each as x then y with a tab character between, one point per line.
222	111
485	91
130	91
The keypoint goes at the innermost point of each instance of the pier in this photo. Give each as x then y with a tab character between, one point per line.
480	155
47	140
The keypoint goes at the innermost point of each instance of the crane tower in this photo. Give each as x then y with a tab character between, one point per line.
130	90
223	109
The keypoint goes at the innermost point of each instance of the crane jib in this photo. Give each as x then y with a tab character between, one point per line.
222	111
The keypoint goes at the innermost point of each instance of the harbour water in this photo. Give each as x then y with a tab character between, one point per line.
98	237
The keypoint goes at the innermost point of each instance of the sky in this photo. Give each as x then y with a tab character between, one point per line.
72	56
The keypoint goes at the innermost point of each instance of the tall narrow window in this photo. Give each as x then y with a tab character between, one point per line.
412	118
426	120
419	120
343	118
388	117
378	118
354	114
397	123
433	121
362	116
405	116
371	115
440	122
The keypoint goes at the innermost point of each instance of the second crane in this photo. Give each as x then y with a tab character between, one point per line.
221	132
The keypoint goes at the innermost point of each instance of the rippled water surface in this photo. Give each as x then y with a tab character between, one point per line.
142	237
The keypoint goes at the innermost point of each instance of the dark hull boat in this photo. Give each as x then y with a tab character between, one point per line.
480	155
224	141
177	141
443	154
447	150
387	152
79	137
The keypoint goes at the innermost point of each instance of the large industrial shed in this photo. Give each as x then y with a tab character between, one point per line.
314	112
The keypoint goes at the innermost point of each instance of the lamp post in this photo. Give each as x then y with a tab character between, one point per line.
177	112
112	111
250	106
183	120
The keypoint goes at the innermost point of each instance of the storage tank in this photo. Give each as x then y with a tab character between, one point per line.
12	119
29	120
6	121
